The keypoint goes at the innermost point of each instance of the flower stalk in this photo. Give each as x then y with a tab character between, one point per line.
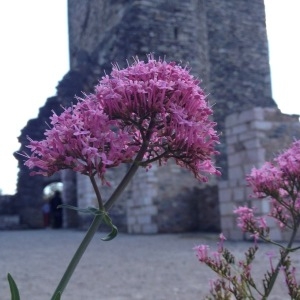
97	221
150	111
279	181
77	256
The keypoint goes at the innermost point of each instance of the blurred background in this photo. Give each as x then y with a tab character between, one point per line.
34	57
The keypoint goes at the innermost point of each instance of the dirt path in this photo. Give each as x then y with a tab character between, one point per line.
155	267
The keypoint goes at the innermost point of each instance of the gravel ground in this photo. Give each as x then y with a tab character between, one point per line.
153	267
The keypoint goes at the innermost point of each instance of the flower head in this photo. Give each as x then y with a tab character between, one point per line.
276	177
245	217
154	108
280	180
163	106
266	180
202	252
82	139
222	238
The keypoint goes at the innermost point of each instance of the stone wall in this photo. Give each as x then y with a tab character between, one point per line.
168	199
30	188
114	31
141	208
9	218
87	197
253	137
239	61
225	45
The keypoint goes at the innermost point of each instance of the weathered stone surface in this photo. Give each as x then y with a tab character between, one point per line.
8	205
269	131
224	43
9	222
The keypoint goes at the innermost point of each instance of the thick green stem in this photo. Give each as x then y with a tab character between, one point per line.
97	192
131	172
121	187
97	221
77	256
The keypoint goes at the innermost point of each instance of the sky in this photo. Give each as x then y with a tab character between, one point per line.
34	57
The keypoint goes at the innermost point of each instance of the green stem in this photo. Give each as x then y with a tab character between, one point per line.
77	256
132	170
97	192
123	184
284	255
97	221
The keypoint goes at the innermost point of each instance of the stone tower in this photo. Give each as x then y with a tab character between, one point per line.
224	42
225	45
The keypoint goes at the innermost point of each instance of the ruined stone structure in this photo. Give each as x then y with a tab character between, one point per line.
225	44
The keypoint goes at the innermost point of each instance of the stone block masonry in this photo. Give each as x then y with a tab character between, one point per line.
252	137
216	39
141	209
9	222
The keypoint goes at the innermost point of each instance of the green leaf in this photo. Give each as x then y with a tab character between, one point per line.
107	220
13	288
89	210
95	211
111	235
114	230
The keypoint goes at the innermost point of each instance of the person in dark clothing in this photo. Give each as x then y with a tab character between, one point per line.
56	213
46	211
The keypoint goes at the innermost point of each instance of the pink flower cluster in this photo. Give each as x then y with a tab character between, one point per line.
203	254
154	106
278	177
280	180
82	139
232	274
249	223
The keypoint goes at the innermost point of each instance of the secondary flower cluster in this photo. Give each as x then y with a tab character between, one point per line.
246	220
154	107
278	180
235	276
82	139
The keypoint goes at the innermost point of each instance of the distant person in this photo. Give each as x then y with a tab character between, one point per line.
56	213
46	214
